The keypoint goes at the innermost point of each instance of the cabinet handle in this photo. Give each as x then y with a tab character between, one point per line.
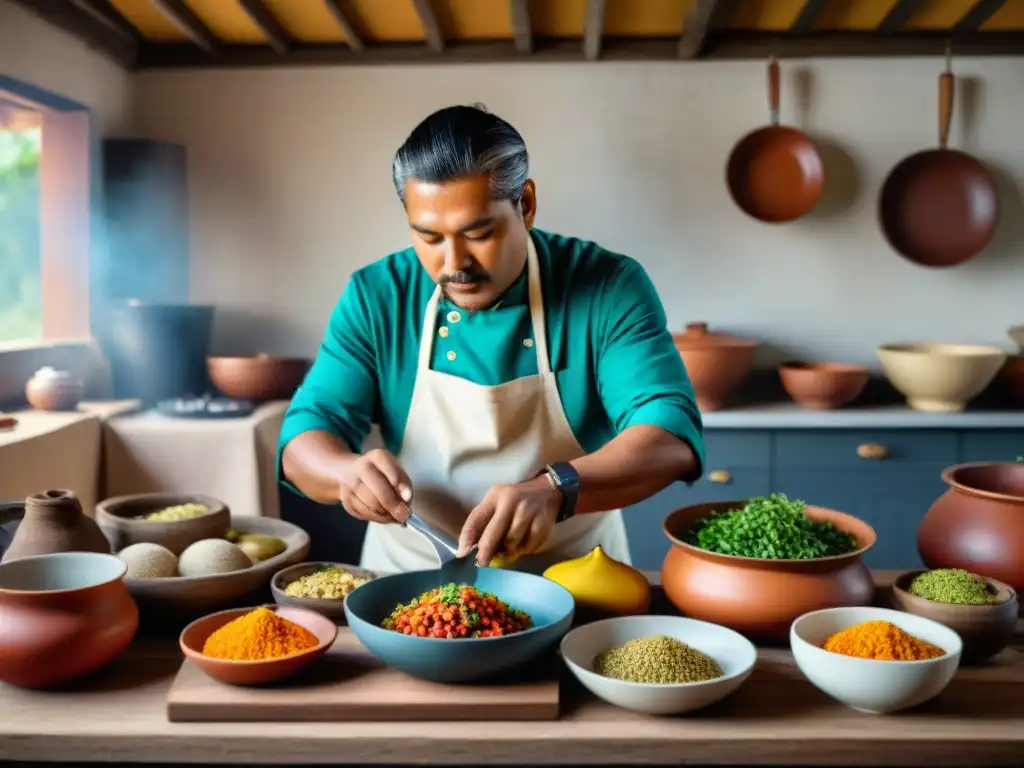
719	476
872	451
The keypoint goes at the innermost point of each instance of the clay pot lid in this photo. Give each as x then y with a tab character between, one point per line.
697	336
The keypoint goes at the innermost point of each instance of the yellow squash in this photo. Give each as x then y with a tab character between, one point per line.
600	583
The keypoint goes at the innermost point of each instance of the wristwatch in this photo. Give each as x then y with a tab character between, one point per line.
564	477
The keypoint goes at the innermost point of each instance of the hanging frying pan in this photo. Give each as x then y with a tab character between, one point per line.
775	173
939	207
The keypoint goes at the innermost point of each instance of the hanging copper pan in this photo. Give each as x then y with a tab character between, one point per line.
775	173
939	207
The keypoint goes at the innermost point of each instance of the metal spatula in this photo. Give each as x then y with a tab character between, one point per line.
461	570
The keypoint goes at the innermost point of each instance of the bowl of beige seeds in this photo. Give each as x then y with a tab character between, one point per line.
318	586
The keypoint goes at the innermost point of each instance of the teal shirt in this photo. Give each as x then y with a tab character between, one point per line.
612	354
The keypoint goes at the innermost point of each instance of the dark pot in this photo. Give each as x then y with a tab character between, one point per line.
978	524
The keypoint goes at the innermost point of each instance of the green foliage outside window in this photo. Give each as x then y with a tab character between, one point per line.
21	299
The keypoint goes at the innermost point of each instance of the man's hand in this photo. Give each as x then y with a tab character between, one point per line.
512	519
374	488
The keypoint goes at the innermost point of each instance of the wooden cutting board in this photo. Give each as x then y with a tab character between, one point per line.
348	684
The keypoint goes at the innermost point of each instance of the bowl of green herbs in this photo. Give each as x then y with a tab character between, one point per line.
755	565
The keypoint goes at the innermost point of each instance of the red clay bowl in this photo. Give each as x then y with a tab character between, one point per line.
194	636
823	386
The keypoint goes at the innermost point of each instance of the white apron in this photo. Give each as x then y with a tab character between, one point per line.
462	438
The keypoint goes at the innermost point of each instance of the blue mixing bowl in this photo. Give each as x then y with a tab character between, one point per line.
461	660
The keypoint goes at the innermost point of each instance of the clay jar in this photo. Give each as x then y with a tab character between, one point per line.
63	616
760	597
978	524
716	363
52	521
53	390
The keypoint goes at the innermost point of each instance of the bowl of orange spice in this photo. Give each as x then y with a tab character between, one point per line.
875	660
252	646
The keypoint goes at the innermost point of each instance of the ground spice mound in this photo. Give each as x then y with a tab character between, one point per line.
881	640
259	634
657	659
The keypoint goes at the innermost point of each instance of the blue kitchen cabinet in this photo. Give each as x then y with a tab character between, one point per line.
992	445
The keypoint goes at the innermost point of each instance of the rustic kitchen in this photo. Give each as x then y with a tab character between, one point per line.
827	196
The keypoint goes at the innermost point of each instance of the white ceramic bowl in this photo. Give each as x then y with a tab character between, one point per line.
940	378
870	685
733	652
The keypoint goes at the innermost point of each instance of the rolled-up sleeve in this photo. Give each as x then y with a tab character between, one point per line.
641	375
339	394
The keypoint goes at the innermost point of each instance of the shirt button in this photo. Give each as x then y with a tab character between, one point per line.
442	332
527	343
450	355
454	317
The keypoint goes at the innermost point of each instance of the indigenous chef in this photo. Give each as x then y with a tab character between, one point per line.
525	384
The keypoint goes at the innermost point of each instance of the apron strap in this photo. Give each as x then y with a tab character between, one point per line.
536	316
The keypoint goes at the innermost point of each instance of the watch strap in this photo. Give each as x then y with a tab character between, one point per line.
566	479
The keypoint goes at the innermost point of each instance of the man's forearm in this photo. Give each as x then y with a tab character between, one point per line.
313	463
634	466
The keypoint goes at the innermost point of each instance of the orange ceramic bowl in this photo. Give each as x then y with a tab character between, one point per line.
761	597
258	672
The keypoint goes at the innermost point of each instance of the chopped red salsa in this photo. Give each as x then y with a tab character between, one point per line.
457	611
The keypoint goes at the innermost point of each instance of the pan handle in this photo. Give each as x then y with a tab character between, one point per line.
946	89
773	90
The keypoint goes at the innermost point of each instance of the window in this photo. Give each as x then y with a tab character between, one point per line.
21	290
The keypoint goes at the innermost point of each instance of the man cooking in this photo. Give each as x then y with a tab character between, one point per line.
525	384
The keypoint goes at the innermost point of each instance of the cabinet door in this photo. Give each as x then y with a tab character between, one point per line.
892	500
993	444
647	542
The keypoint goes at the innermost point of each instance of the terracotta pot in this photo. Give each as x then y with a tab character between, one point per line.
53	390
51	521
1013	378
118	518
761	597
261	377
63	616
978	524
716	363
984	629
823	386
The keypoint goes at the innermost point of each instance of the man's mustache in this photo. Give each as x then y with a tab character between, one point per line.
463	276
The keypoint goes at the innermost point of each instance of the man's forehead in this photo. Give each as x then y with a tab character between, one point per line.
451	204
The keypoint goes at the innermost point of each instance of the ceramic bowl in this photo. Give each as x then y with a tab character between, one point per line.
823	386
761	597
1017	334
195	595
62	616
258	672
259	377
984	629
550	605
332	608
117	518
733	652
870	685
940	378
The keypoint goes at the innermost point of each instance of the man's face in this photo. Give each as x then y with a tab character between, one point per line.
474	247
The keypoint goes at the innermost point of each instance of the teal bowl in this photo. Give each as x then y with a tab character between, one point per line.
461	660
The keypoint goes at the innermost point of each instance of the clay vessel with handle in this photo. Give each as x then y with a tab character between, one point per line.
716	363
978	523
63	616
50	522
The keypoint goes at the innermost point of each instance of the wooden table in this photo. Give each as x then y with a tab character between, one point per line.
776	718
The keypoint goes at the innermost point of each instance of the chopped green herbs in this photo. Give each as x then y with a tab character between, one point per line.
773	528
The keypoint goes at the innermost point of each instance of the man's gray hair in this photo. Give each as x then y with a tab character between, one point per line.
460	141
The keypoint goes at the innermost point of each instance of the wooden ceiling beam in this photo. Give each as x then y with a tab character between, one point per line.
978	15
897	16
344	17
105	12
593	30
522	30
85	27
808	17
271	28
431	26
726	45
185	19
702	19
